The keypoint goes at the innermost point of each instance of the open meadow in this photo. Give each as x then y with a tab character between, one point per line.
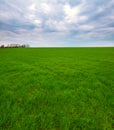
57	88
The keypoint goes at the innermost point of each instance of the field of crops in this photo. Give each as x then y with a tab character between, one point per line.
57	89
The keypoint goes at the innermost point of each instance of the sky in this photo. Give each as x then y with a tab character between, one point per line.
57	23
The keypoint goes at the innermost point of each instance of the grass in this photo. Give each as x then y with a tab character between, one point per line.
57	89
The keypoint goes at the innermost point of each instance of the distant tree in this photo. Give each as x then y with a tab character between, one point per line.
25	45
15	46
2	46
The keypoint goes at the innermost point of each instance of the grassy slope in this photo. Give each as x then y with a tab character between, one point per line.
57	89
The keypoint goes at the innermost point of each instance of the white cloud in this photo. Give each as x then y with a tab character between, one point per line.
32	7
37	21
46	8
86	27
73	14
56	25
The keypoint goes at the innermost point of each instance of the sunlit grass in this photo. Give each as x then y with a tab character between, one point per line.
57	89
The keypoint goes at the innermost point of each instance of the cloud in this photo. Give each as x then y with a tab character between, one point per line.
46	8
57	22
32	7
73	13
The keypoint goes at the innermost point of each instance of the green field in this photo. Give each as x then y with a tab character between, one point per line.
57	89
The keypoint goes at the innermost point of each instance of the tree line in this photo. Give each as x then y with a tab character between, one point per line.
14	46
